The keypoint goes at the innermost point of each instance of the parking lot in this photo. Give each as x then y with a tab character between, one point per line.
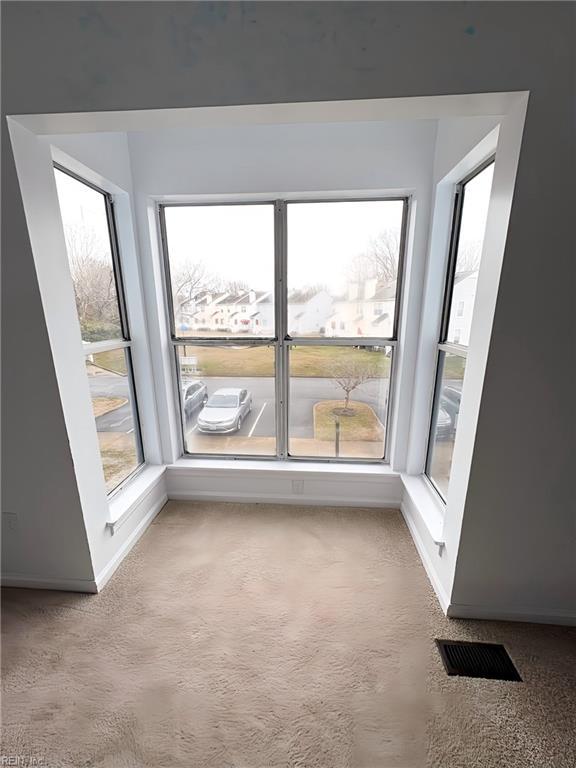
305	392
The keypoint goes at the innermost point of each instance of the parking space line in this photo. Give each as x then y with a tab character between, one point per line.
257	420
117	424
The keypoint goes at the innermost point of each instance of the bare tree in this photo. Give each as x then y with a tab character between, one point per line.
351	374
380	260
93	277
234	287
468	259
307	292
188	280
384	251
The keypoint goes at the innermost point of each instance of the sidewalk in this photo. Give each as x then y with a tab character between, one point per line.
234	445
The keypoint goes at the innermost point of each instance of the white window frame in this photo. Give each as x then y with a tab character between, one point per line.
444	346
124	343
282	341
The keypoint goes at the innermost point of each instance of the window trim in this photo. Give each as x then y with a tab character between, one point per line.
282	341
125	342
443	346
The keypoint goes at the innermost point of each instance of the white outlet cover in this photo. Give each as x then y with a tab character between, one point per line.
297	486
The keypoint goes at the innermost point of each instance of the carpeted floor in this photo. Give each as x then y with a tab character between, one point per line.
258	636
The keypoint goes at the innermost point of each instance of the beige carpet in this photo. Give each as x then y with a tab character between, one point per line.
257	636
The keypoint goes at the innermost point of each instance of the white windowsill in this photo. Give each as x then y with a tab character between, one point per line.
123	504
428	504
127	500
284	482
217	466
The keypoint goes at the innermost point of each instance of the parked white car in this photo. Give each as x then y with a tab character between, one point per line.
225	410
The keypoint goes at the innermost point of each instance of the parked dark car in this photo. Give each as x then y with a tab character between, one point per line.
444	429
447	418
225	410
450	401
194	396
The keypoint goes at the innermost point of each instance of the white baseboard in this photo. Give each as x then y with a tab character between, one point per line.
155	505
407	514
41	582
482	612
369	486
265	498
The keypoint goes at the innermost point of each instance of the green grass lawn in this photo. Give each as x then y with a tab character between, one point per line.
454	367
119	456
102	405
114	361
259	361
361	425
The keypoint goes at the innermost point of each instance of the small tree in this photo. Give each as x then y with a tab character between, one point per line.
349	375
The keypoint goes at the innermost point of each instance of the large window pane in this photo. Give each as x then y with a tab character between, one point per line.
228	399
114	411
85	221
338	401
445	419
468	254
343	260
222	269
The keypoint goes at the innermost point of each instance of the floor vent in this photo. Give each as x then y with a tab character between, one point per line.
487	660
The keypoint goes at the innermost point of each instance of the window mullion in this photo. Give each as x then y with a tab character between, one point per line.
401	261
93	347
134	399
225	341
337	341
281	322
113	235
453	349
452	253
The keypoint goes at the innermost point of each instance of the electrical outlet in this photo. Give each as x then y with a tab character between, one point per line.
298	486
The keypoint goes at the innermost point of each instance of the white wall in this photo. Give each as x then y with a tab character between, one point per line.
109	165
283	159
104	159
517	543
455	138
106	154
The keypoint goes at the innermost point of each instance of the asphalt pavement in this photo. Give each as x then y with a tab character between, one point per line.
113	385
304	393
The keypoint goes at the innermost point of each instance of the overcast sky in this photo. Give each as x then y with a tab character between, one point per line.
80	206
237	241
475	209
